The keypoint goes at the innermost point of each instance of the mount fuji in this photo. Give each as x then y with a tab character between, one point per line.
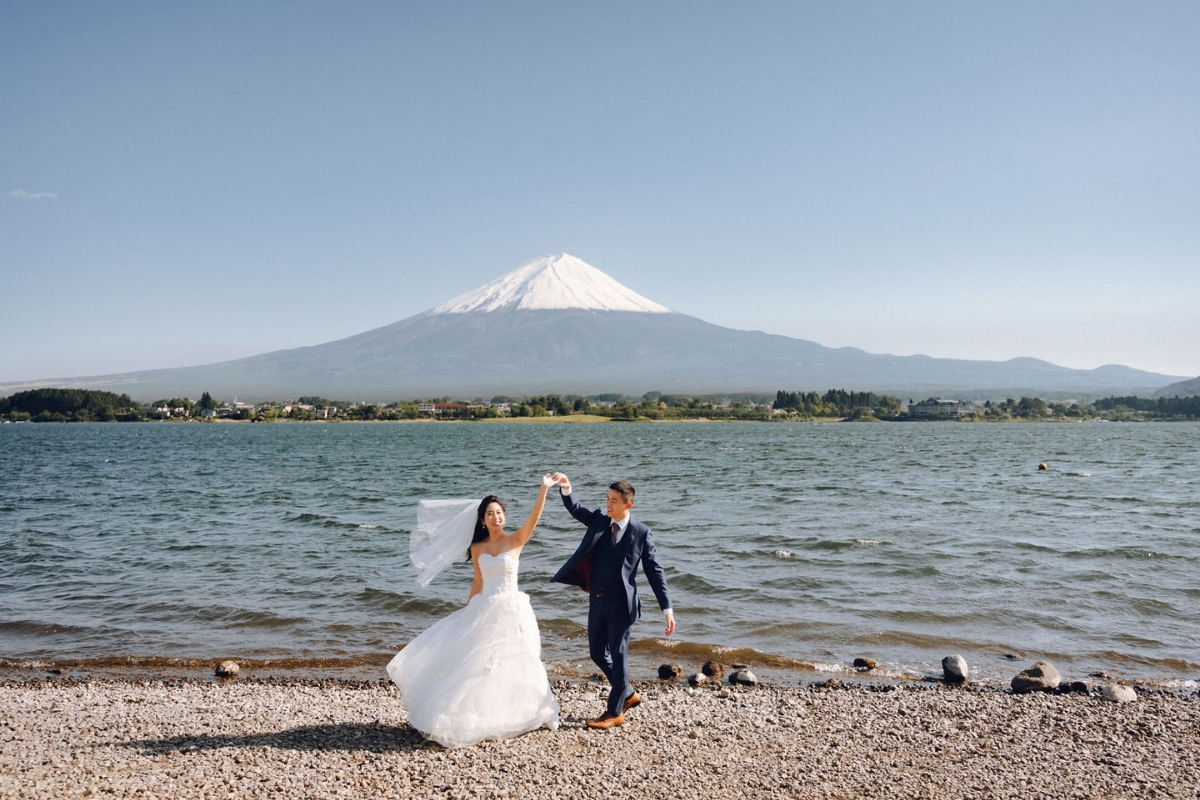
557	324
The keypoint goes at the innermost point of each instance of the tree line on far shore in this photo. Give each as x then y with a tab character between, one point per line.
85	405
1158	408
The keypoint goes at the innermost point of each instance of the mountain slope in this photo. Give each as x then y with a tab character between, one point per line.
1181	389
525	333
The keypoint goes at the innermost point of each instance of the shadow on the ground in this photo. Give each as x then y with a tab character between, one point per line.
346	736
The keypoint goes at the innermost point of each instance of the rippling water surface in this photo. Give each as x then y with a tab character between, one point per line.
811	544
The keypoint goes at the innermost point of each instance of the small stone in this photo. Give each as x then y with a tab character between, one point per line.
669	672
1118	693
831	683
699	679
743	677
865	664
1041	677
712	669
693	734
227	669
724	693
955	669
1013	656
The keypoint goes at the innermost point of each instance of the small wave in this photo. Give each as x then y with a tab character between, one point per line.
1125	552
825	666
827	544
1079	474
564	629
367	527
694	583
783	554
873	541
38	628
322	521
393	603
245	618
1124	659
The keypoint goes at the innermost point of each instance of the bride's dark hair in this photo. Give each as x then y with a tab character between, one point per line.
481	532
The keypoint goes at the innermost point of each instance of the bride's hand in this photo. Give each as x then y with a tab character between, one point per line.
548	481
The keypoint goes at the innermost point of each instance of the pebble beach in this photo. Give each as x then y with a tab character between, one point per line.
194	738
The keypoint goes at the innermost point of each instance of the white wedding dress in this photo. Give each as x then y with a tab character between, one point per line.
478	673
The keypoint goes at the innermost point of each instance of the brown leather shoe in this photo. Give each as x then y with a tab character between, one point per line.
606	721
630	702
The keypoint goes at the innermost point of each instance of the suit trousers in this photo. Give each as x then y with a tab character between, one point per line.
608	642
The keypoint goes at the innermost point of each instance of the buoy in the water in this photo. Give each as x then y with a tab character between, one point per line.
1042	466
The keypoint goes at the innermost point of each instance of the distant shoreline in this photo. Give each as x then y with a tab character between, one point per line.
590	419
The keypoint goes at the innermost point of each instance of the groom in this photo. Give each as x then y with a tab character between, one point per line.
604	566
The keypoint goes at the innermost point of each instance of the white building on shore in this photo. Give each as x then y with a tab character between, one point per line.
937	408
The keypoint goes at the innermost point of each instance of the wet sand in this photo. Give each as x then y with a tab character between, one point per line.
191	738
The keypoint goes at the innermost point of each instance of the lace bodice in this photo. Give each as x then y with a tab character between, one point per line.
499	572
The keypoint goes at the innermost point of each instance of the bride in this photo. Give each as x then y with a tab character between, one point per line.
478	673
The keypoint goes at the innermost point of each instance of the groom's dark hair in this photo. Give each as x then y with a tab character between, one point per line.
625	489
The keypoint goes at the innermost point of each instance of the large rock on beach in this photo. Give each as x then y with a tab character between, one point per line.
227	669
670	671
743	677
1118	693
1041	677
699	679
865	664
712	669
954	669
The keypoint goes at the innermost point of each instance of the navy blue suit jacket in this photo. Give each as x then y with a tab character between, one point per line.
636	546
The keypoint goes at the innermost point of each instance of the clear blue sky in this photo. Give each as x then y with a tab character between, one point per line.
187	183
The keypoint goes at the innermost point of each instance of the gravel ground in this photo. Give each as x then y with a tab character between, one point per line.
331	738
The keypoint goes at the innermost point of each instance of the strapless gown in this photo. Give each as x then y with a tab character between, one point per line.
478	673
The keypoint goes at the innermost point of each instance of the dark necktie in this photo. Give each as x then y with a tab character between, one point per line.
615	530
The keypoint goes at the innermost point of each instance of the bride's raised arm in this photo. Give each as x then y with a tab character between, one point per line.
525	531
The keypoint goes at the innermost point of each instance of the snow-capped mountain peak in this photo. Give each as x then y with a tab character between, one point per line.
551	282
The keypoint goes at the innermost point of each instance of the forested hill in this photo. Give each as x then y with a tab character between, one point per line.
70	405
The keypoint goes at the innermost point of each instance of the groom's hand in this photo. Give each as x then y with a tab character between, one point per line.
670	617
564	483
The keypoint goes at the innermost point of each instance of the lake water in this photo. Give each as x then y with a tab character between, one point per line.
795	546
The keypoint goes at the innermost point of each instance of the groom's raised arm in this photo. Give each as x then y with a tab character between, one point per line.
578	511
